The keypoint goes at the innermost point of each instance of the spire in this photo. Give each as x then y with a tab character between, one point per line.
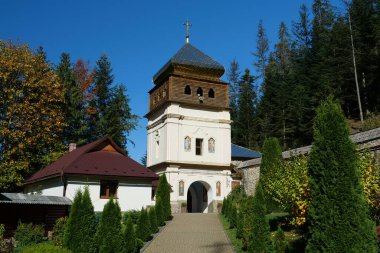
187	24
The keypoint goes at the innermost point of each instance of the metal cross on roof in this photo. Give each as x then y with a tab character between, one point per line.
187	24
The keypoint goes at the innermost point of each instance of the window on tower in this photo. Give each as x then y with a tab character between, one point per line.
218	190
198	146
211	93
181	188
211	145
200	92
187	90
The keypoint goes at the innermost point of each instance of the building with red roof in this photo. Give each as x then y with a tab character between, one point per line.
102	166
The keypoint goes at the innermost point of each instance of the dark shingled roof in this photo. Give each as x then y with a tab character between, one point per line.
188	55
90	159
241	152
20	198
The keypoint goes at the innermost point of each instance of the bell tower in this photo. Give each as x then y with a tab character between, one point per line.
189	133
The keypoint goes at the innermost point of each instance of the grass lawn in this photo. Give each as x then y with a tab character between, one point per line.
231	233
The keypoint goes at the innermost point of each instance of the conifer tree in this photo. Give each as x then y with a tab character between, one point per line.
143	226
233	77
87	224
159	212
248	222
72	236
338	215
163	193
279	241
109	234
129	237
153	220
240	223
233	216
260	240
271	171
73	104
246	112
262	50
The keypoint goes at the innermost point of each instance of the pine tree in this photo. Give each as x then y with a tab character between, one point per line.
233	77
160	212
246	123
153	220
72	236
260	240
163	193
262	50
129	237
143	230
87	224
120	119
240	223
338	215
109	234
248	222
233	216
73	104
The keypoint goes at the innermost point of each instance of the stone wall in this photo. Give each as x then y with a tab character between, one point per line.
251	169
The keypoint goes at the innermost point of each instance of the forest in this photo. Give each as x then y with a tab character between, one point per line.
329	50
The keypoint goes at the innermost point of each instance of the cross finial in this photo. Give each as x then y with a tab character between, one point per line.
187	24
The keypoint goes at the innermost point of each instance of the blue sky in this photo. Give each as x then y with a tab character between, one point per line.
140	36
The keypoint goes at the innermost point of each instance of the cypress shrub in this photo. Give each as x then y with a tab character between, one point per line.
109	234
260	240
279	241
163	193
129	237
338	215
143	226
153	220
271	171
59	231
87	224
72	236
248	222
160	213
233	216
223	205
239	224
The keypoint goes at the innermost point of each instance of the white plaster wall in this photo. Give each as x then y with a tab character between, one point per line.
132	194
195	123
50	187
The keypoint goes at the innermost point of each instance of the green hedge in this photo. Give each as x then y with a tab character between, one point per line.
44	248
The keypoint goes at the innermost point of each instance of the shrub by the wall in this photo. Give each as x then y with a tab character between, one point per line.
28	234
163	193
129	237
45	248
153	220
59	231
160	213
134	214
279	241
143	226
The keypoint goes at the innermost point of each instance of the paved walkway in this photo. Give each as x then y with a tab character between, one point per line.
193	233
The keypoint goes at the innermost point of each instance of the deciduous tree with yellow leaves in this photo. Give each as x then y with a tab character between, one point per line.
31	120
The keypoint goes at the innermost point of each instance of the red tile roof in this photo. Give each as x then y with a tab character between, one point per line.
91	159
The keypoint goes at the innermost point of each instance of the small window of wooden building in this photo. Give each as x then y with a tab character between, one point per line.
211	93
187	90
108	189
198	146
181	187
200	92
235	184
218	189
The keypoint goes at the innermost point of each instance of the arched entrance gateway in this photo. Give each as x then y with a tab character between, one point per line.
199	197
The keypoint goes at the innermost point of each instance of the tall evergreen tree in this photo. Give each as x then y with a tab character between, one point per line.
339	220
163	195
120	119
73	103
262	50
246	122
109	235
233	77
143	230
72	235
87	224
153	220
260	240
129	237
159	212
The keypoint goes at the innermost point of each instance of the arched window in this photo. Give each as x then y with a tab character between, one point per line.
218	190
187	143
211	145
211	93
200	92
187	90
181	188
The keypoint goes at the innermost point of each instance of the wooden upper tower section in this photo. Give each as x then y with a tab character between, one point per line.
190	77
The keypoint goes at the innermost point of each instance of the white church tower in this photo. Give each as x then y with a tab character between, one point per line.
189	132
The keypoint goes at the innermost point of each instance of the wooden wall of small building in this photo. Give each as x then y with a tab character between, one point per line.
11	214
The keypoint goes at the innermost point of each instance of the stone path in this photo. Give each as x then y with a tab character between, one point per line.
193	233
